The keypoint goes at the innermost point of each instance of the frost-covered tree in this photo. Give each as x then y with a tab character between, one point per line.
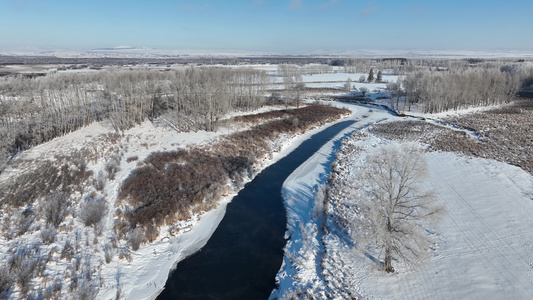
348	84
293	83
394	88
379	77
363	90
370	75
394	208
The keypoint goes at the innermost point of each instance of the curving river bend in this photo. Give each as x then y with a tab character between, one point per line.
242	257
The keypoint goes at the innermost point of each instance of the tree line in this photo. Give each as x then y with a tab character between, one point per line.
35	110
437	90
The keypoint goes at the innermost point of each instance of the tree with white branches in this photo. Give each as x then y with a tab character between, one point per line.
394	209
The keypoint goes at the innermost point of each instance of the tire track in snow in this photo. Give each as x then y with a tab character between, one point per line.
486	240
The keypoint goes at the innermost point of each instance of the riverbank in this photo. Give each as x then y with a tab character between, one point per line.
144	277
301	263
482	246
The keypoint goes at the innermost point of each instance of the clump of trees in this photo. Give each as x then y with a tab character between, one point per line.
35	110
436	91
293	82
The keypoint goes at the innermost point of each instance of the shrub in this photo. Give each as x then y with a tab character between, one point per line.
92	210
108	253
135	238
23	220
54	208
86	290
100	181
132	158
48	235
112	166
6	283
23	266
151	233
68	251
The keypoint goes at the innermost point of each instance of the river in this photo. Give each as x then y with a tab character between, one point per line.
242	257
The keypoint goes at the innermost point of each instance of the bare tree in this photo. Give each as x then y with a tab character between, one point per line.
394	209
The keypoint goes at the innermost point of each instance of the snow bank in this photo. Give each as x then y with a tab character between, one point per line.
304	250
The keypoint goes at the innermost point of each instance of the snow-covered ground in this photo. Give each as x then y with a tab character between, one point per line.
144	275
301	264
484	244
338	79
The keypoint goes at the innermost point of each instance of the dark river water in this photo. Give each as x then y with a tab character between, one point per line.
244	254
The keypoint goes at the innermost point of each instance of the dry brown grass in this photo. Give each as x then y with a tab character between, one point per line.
504	134
176	182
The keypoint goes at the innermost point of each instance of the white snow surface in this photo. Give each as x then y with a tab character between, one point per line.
484	243
483	246
145	275
301	264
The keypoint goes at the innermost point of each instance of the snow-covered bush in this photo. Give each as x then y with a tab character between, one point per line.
135	238
112	166
67	252
23	266
48	235
6	282
92	210
54	208
108	253
23	220
100	181
86	290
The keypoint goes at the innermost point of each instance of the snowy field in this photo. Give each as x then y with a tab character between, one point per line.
338	79
484	244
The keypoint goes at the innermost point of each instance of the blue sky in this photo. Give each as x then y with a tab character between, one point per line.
290	26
